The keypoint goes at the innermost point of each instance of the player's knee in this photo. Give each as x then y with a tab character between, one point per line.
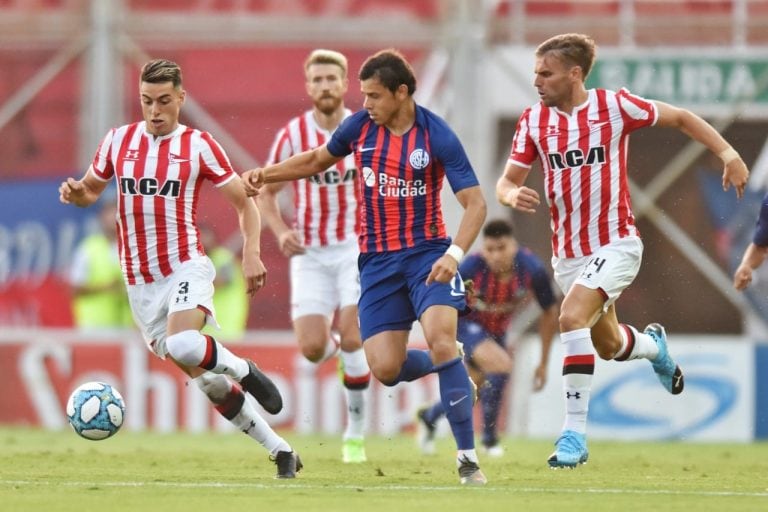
386	375
216	387
313	352
184	347
570	321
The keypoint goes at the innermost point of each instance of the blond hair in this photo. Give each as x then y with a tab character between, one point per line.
321	56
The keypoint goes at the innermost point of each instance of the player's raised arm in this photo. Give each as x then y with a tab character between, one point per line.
296	167
511	191
735	172
83	192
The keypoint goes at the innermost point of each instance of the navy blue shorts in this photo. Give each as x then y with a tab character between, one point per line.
393	290
471	334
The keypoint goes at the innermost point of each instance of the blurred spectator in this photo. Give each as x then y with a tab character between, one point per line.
98	289
230	297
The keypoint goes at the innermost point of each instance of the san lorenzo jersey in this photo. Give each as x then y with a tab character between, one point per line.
326	204
760	237
402	177
584	157
158	185
497	299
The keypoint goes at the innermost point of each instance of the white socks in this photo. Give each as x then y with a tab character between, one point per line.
195	349
233	405
635	345
578	369
357	376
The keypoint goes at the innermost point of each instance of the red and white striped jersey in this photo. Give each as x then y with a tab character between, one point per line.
158	187
326	204
584	158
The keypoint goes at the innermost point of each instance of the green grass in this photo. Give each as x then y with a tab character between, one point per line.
57	471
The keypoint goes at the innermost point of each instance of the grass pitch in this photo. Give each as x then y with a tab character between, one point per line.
58	471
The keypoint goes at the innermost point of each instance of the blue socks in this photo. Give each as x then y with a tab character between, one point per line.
491	395
456	398
417	364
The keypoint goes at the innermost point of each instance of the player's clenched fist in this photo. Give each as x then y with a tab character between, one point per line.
253	180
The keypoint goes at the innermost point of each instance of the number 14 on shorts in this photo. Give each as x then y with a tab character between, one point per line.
592	267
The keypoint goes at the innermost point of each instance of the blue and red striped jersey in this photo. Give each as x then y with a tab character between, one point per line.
760	238
497	298
402	177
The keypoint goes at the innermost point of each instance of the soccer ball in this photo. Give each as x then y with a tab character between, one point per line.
95	410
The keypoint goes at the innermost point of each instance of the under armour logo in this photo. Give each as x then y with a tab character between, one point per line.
183	299
131	154
552	130
575	395
249	427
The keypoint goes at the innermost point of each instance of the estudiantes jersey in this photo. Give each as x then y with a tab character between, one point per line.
584	158
497	300
402	176
326	204
158	187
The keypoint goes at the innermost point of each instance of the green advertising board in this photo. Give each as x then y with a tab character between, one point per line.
702	81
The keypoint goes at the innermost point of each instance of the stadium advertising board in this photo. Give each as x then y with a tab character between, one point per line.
721	402
696	81
42	367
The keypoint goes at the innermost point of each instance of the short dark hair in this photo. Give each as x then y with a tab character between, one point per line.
391	69
159	71
498	228
574	49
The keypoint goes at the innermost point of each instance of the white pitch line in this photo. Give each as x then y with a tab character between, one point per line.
308	486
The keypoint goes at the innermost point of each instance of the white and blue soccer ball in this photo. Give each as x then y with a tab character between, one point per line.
95	410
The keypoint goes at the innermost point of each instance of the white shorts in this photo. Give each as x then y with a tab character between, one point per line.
188	287
324	279
610	269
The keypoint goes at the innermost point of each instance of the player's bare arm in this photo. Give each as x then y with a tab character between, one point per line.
753	257
254	272
297	167
83	192
735	172
511	191
287	238
475	210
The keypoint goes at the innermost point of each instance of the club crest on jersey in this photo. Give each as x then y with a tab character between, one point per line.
576	158
419	158
131	154
176	159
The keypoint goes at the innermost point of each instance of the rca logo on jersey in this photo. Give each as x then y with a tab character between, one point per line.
419	158
148	186
576	158
333	176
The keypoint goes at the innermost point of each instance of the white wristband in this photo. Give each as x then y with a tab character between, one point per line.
728	155
455	252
